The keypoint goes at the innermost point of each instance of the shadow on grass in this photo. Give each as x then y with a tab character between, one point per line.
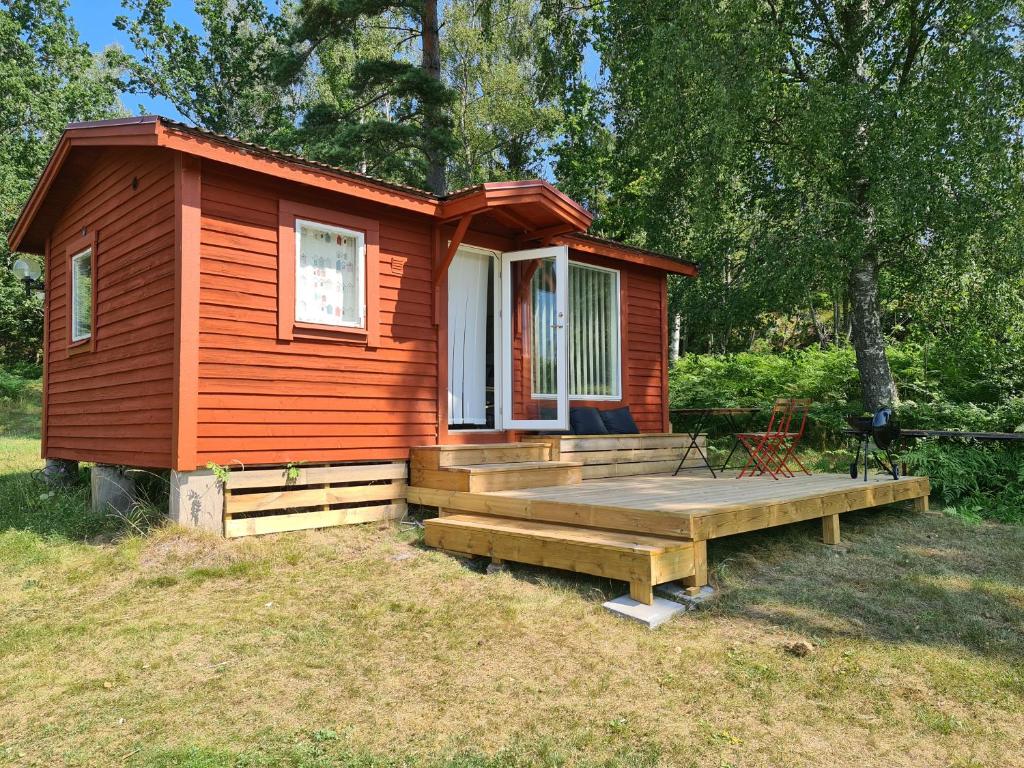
904	578
26	503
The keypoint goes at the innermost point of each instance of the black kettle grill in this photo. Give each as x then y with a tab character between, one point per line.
881	429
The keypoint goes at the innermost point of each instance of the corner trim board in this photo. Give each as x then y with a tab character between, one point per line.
187	214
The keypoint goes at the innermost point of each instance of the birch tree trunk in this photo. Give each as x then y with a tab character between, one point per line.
878	389
673	345
876	383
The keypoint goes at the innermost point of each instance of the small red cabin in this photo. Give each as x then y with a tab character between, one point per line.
214	301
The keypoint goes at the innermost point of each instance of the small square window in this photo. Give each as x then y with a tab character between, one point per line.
81	296
330	268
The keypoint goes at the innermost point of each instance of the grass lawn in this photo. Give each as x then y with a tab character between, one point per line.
358	647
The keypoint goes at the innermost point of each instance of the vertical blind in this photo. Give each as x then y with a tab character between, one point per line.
594	355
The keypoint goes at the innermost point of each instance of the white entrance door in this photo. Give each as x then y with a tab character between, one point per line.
534	348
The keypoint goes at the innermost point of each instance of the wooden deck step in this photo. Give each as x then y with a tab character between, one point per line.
498	476
642	560
624	455
440	456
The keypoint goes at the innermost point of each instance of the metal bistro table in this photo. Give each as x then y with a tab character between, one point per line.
699	417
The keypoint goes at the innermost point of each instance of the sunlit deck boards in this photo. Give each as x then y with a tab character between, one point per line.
696	508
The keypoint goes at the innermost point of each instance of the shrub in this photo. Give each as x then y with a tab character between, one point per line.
977	480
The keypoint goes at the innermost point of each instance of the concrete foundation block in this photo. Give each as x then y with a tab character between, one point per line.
113	489
688	597
60	472
197	500
651	616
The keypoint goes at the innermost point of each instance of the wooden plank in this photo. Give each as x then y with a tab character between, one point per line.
626	455
637	468
698	508
313	497
589	515
619	442
438	456
497	477
623	556
255	526
830	529
438	479
352	473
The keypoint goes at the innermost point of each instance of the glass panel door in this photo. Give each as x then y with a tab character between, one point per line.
535	390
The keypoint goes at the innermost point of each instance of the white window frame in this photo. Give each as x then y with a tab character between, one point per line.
75	307
617	379
360	239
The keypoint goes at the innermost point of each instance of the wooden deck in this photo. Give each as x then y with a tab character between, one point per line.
696	508
689	509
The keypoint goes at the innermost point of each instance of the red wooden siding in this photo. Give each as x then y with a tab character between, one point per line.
264	401
110	401
187	364
644	353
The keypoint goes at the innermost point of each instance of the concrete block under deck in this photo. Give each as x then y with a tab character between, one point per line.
197	500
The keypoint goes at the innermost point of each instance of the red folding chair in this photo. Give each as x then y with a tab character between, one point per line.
771	451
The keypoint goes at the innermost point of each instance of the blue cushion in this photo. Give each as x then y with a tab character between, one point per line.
584	420
619	421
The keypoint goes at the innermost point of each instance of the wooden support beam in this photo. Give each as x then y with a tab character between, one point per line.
453	247
830	529
511	219
546	234
700	568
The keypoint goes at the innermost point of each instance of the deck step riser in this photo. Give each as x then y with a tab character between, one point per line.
642	562
466	480
624	455
441	456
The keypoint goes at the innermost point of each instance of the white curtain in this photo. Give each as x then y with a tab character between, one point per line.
467	338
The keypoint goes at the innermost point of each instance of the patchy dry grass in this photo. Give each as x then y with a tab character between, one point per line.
358	647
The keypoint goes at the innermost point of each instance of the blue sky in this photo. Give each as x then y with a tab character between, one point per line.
95	22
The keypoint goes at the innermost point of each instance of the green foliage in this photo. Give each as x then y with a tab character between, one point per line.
972	479
789	147
221	78
501	120
390	114
21	320
13	386
48	78
221	472
979	481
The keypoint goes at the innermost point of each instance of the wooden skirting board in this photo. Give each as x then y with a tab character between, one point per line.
263	501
